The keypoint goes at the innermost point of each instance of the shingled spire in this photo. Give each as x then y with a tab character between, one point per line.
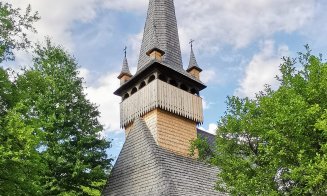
125	74
161	21
155	52
193	67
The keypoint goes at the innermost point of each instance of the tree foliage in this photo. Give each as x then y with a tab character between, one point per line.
50	133
276	144
201	149
13	29
73	147
50	136
20	163
6	92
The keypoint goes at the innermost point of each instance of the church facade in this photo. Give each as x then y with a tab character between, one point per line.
160	111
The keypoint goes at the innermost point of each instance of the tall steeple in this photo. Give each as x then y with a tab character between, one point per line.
161	92
161	29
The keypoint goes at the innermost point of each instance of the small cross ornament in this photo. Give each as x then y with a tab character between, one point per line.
191	42
125	50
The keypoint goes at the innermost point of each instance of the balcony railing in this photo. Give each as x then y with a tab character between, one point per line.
159	94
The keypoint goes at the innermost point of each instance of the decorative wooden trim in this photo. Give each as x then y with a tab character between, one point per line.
159	94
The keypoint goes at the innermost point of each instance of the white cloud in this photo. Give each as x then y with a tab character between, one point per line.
58	16
316	29
126	5
212	128
23	57
84	73
205	105
238	22
102	94
135	42
262	69
208	75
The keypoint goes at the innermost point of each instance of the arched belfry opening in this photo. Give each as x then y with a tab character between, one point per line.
184	87
151	78
142	85
194	92
126	96
134	90
163	78
173	82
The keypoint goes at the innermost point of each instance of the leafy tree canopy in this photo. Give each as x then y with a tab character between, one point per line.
50	133
50	136
201	149
73	148
13	29
276	144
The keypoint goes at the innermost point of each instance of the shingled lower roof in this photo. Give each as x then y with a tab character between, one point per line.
209	137
144	168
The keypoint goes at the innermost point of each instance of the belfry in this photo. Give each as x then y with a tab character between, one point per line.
162	92
160	111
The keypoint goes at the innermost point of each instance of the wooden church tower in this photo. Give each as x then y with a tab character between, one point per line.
160	110
162	92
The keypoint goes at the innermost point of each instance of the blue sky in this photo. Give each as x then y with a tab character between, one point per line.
239	44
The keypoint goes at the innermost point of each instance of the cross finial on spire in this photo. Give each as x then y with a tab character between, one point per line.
125	51
125	69
193	64
191	42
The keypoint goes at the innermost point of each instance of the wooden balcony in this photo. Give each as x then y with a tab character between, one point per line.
159	94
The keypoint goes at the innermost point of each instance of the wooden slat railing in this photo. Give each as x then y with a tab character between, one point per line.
159	94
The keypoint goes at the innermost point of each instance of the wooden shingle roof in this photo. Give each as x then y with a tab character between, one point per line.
144	168
161	29
193	63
